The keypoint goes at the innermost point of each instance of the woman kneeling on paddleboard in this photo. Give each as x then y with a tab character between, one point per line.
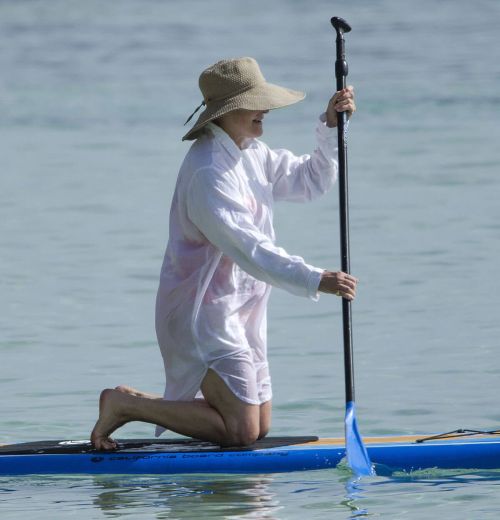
221	262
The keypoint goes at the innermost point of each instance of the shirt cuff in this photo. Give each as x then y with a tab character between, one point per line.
325	131
322	118
313	283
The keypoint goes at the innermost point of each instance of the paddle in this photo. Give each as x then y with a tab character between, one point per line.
357	456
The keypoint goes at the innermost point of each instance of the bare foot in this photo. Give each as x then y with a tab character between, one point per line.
110	418
124	389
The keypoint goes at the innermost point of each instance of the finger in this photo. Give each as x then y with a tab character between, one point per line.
347	276
345	93
347	286
347	105
342	101
338	99
347	289
333	100
348	294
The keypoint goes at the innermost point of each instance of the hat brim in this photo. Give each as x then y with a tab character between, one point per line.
266	96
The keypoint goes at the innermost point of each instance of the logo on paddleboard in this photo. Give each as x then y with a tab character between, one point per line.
73	443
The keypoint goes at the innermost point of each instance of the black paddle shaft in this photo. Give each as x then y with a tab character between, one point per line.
341	70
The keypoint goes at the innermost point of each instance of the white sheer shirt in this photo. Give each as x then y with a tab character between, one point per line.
222	259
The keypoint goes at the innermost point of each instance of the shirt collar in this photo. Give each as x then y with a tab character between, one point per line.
223	138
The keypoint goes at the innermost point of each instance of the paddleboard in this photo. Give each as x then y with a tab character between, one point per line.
269	455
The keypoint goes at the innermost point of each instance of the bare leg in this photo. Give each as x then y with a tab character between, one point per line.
222	418
265	408
138	393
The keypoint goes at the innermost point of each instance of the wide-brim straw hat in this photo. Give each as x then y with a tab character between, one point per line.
237	84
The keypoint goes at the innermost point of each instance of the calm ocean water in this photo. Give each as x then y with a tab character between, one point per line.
93	96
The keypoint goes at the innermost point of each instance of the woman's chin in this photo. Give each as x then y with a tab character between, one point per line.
258	129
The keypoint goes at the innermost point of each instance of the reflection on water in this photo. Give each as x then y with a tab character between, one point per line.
281	496
314	495
231	497
178	497
354	492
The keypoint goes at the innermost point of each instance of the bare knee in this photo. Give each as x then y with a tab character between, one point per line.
242	434
240	420
244	438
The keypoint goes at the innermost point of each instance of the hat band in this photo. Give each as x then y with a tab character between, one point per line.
234	93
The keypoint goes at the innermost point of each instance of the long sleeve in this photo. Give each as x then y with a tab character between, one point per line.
305	177
216	205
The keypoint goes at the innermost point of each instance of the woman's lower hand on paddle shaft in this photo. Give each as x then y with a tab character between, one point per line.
338	283
342	101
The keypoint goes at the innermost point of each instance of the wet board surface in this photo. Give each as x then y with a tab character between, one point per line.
270	455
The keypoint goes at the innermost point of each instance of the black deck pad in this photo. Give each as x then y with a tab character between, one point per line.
144	445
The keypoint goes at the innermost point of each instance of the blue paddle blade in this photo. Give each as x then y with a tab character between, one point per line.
357	456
